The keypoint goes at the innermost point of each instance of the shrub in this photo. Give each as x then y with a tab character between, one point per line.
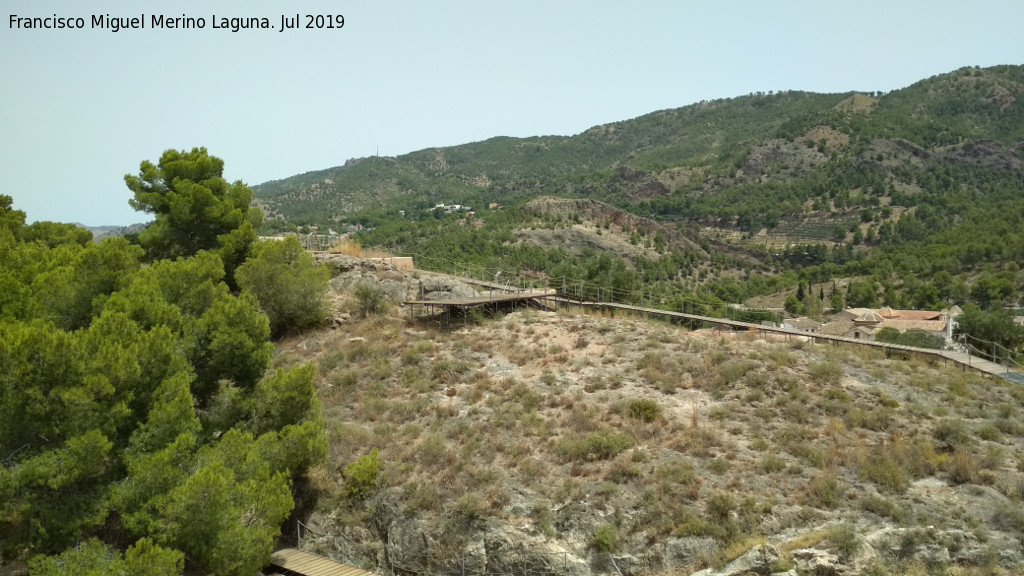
363	475
469	507
990	432
952	433
622	471
719	466
883	507
823	491
1010	519
731	371
605	538
961	467
688	523
676	472
827	372
600	445
372	299
993	458
877	419
843	539
720	506
885	472
678	478
771	463
644	409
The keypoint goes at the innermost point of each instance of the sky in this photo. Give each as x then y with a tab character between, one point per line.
80	108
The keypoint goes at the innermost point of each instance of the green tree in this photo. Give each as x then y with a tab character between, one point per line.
226	522
229	342
93	558
862	294
290	289
838	303
990	332
195	208
54	234
79	279
991	291
943	282
812	306
793	305
927	297
137	406
363	475
283	399
917	338
11	221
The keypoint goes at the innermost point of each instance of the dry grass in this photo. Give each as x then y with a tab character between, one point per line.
523	413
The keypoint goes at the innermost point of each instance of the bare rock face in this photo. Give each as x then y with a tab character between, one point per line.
814	561
988	153
601	212
441	288
509	551
687	551
397	284
757	560
781	158
945	546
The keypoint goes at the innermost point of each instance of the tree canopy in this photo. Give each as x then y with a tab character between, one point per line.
290	289
195	208
146	433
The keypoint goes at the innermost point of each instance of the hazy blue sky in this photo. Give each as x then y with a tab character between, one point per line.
81	108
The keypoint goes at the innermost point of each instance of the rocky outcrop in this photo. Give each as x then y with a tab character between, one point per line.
782	159
397	284
681	552
757	560
600	212
987	153
441	288
945	546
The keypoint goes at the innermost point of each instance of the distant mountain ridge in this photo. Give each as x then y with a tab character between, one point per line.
675	163
101	232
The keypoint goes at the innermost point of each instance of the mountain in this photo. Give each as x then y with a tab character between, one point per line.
703	161
101	232
918	189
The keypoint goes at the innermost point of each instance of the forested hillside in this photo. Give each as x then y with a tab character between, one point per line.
918	194
682	162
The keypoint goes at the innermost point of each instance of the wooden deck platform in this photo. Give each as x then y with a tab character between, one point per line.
293	562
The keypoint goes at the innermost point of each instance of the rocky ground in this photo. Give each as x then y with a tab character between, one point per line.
566	442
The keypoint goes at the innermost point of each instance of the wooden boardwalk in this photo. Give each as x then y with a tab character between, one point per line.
293	562
965	361
489	299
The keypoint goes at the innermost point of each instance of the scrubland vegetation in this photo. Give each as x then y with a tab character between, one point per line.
620	434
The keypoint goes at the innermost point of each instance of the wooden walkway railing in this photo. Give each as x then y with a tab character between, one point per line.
966	361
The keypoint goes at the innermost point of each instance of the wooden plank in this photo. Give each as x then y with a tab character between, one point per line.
309	564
